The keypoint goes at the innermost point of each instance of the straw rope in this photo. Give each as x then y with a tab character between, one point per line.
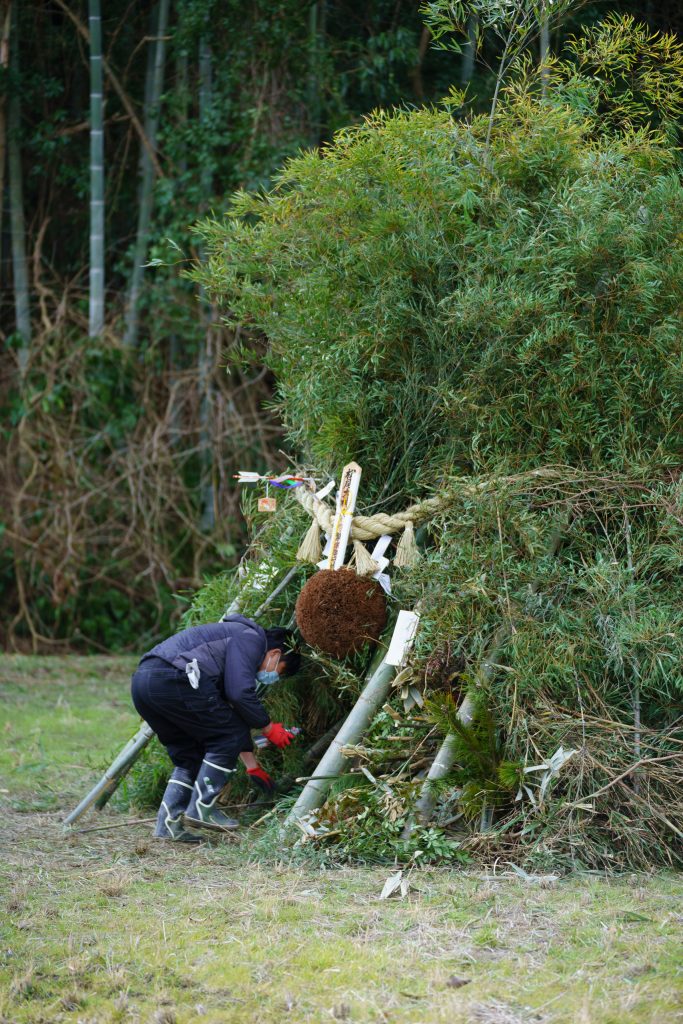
370	527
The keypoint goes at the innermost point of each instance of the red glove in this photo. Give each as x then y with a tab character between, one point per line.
261	779
276	734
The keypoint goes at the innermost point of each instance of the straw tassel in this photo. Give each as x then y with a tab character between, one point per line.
406	552
365	564
310	549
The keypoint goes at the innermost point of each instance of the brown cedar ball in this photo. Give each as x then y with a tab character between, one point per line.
338	611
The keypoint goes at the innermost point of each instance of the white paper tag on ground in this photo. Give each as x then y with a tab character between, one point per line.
402	638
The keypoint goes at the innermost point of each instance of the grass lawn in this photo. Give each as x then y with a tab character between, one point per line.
111	926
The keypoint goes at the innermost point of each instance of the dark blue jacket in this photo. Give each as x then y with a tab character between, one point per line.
229	652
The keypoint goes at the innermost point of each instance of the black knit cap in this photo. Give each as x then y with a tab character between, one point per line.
286	641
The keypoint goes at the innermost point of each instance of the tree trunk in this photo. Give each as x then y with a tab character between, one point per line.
96	311
16	202
415	73
147	174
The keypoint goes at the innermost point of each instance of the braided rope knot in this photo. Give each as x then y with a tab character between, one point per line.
369	527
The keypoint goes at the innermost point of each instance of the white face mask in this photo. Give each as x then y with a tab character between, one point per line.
267	678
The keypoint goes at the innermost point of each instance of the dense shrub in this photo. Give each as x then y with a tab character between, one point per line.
429	307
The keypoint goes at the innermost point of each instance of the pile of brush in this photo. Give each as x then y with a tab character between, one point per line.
486	310
550	610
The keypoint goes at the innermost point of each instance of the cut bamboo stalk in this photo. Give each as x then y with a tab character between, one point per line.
114	772
287	782
355	725
440	767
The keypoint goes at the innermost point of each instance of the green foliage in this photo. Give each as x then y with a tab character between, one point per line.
483	778
593	631
454	314
634	77
367	823
271	554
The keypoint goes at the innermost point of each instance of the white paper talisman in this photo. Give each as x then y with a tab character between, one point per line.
402	638
346	503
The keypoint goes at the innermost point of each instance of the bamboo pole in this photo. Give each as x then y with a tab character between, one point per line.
205	365
287	782
147	174
96	296
16	200
635	695
469	50
5	28
118	88
114	772
371	699
443	762
544	48
316	18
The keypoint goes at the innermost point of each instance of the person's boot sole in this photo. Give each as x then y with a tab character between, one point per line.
191	839
197	823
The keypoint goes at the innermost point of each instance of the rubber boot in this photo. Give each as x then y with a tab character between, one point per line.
202	811
177	796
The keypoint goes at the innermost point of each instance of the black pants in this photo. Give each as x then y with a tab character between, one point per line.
191	724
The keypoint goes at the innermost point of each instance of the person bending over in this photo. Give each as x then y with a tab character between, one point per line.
199	691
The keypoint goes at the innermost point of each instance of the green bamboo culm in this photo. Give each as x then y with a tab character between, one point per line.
153	93
16	198
96	303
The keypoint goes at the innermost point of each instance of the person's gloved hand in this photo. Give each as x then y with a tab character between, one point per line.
261	779
276	734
